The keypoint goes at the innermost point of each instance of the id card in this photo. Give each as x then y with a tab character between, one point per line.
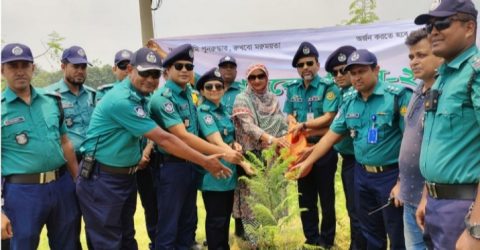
372	137
310	116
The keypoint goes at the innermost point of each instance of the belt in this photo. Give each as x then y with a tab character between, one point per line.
379	169
117	170
452	191
170	158
38	178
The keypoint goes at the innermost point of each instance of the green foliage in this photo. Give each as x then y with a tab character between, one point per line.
362	12
53	46
269	199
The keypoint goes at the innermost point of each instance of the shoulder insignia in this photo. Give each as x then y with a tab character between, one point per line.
208	119
403	110
204	108
293	83
475	62
53	94
105	86
327	81
330	95
167	93
89	88
168	107
394	89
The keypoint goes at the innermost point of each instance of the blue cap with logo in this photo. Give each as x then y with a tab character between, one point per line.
16	52
305	49
446	8
146	59
123	55
75	55
226	60
361	57
212	75
182	52
338	57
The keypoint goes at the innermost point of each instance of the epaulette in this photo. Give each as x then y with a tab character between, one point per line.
105	86
52	94
204	108
327	81
294	82
89	88
349	95
475	62
395	89
167	93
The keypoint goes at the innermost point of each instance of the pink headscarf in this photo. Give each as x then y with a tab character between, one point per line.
256	66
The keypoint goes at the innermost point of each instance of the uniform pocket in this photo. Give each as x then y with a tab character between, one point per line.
383	123
53	127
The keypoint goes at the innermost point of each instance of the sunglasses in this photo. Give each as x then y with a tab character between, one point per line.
180	66
122	65
335	72
308	63
259	77
442	24
210	87
155	74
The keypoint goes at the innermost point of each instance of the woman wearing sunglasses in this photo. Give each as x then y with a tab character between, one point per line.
217	128
259	123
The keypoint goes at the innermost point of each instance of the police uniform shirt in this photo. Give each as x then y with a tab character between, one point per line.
31	133
216	119
103	89
355	118
119	122
78	110
319	98
230	94
345	146
450	151
171	105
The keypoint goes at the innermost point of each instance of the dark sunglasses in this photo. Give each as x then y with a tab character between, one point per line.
80	66
309	64
122	65
336	72
259	77
210	87
179	66
155	74
442	24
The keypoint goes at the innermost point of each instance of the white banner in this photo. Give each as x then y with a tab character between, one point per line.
277	48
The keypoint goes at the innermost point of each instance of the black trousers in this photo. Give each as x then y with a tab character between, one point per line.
319	183
219	207
148	197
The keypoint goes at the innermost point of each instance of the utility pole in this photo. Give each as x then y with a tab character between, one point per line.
146	20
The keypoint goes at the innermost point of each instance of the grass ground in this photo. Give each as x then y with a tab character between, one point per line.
291	238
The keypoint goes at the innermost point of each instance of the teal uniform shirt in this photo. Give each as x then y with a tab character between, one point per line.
172	105
118	124
230	94
450	151
31	133
345	146
216	119
320	97
78	110
103	89
388	104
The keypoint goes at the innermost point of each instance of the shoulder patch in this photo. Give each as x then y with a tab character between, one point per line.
105	86
208	119
168	107
330	95
140	112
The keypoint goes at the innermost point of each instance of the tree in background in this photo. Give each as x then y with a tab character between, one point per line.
362	11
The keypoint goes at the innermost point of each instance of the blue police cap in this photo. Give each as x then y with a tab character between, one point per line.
305	49
445	8
182	52
211	75
75	55
146	59
16	52
123	55
338	57
361	57
227	59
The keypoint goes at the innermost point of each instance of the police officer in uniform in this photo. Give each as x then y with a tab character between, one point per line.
334	65
78	100
106	187
228	69
373	117
176	179
37	189
449	158
122	59
313	103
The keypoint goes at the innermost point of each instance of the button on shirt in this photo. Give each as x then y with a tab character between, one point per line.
451	141
216	119
411	187
118	124
355	119
78	110
30	133
228	98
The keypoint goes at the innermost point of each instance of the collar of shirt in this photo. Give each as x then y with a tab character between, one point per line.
10	96
456	63
176	89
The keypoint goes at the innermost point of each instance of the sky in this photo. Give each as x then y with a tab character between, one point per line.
102	27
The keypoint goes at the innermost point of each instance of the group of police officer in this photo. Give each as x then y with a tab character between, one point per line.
68	150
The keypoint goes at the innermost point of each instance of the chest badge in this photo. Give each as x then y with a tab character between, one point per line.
69	122
21	138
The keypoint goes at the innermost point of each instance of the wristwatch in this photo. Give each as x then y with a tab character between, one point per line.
472	229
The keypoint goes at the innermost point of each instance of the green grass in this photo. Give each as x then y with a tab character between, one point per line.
291	238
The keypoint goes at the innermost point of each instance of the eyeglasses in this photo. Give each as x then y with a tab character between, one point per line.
210	87
259	77
80	66
335	72
122	65
308	63
180	66
155	74
442	24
